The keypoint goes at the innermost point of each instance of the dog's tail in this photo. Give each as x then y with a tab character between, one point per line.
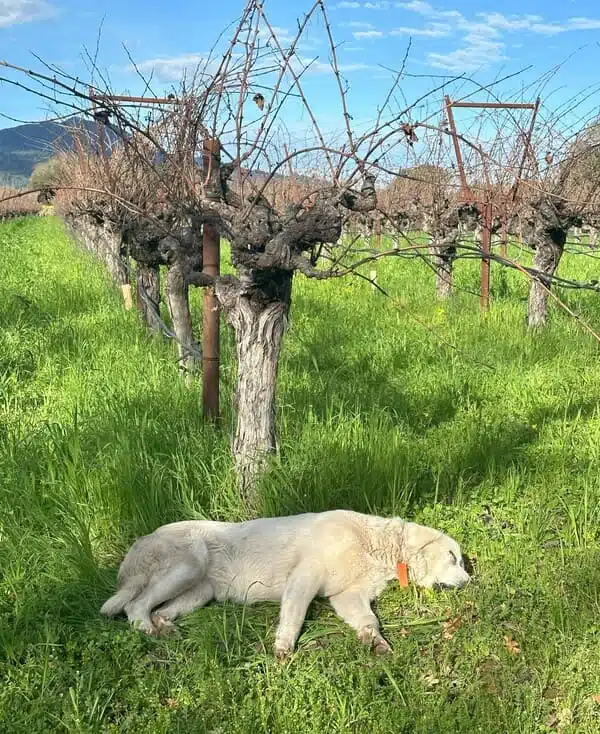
124	595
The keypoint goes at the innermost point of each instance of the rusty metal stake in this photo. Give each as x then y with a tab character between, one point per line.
211	257
377	227
486	243
466	191
504	235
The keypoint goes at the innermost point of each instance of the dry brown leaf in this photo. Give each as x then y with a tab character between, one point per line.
430	680
450	627
171	703
596	698
403	632
552	720
319	644
511	645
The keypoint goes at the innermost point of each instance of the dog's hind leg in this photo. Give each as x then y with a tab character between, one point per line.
168	585
188	601
356	610
301	588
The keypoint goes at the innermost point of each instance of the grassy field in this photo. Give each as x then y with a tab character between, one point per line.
100	442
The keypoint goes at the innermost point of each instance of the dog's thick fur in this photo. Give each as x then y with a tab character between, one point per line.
342	555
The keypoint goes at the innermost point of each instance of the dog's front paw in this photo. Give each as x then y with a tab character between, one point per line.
381	647
142	625
162	625
370	636
283	653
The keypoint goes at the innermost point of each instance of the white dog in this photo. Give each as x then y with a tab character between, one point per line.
342	555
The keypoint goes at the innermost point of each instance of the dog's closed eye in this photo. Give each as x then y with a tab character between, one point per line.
454	558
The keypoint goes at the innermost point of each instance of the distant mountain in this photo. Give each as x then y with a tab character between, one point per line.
22	147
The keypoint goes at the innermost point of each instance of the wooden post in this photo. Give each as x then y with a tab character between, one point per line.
211	256
127	297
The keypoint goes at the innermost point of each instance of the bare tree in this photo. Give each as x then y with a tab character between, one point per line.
151	189
560	197
282	208
448	223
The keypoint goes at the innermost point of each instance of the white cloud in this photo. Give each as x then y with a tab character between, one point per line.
481	46
478	41
573	24
172	69
433	30
356	24
482	38
13	12
474	56
361	35
536	24
584	24
417	6
448	14
284	37
320	67
478	29
497	20
345	68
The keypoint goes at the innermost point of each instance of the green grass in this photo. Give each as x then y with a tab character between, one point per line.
100	442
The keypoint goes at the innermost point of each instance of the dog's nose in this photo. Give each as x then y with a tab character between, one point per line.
464	580
457	583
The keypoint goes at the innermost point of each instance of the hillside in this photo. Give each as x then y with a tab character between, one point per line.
23	146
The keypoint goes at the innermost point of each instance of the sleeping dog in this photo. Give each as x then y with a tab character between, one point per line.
344	556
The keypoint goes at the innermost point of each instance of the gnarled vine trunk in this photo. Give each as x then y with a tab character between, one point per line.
148	295
257	312
100	238
446	223
177	297
443	261
548	252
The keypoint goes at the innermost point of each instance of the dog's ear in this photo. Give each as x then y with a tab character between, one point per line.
418	541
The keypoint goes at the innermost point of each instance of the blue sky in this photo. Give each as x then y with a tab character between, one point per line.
482	38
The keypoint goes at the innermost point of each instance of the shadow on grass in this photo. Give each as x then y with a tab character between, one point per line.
398	477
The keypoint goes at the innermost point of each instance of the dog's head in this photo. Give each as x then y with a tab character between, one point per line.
433	559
